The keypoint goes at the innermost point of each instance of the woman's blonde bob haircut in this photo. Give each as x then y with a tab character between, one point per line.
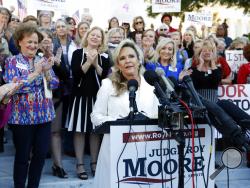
117	78
102	47
208	44
163	42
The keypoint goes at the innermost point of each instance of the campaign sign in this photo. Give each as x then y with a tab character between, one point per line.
199	18
239	94
166	6
145	156
235	59
52	5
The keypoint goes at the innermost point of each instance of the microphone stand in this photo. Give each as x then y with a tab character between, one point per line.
133	111
178	134
179	137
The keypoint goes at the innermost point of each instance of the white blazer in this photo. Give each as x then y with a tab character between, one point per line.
109	107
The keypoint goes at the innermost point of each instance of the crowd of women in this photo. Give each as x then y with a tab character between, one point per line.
61	76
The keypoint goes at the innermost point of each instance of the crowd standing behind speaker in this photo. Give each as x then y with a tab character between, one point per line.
77	58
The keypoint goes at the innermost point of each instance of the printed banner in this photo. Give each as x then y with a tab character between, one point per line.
235	59
52	5
199	18
166	6
239	94
149	157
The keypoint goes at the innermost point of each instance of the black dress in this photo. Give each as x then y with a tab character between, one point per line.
85	87
206	83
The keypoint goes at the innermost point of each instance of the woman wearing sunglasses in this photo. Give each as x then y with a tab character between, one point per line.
139	27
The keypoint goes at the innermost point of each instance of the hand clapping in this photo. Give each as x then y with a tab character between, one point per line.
46	64
91	56
39	66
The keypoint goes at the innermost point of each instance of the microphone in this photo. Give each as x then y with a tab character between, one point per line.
152	79
169	85
132	88
169	115
181	90
189	83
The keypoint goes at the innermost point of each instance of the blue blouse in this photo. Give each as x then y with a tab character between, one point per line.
29	105
169	71
181	57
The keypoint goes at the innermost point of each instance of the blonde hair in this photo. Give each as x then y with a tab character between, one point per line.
188	31
79	39
236	42
208	44
163	42
118	80
102	47
112	31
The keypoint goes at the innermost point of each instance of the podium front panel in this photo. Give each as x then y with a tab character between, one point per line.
145	155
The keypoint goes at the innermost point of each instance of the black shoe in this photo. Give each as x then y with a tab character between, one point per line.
82	175
59	172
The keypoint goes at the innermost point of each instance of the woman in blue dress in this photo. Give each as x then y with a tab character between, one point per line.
165	58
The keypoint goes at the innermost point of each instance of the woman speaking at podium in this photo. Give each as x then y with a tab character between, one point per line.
113	101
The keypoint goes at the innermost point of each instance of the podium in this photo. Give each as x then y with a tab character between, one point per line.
143	154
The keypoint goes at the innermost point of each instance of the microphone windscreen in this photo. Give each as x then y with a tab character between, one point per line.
173	82
159	71
132	85
151	77
187	78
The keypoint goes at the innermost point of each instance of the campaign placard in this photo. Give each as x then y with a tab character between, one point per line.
199	18
239	94
147	156
166	6
235	59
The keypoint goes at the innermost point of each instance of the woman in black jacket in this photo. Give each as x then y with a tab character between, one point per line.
89	66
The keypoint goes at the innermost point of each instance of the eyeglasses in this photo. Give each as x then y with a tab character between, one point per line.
163	29
15	20
137	23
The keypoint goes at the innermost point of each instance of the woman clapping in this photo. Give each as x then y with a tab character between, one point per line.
31	107
89	66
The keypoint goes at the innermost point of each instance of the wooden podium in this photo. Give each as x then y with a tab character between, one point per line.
144	155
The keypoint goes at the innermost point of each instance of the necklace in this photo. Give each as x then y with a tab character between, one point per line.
208	72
